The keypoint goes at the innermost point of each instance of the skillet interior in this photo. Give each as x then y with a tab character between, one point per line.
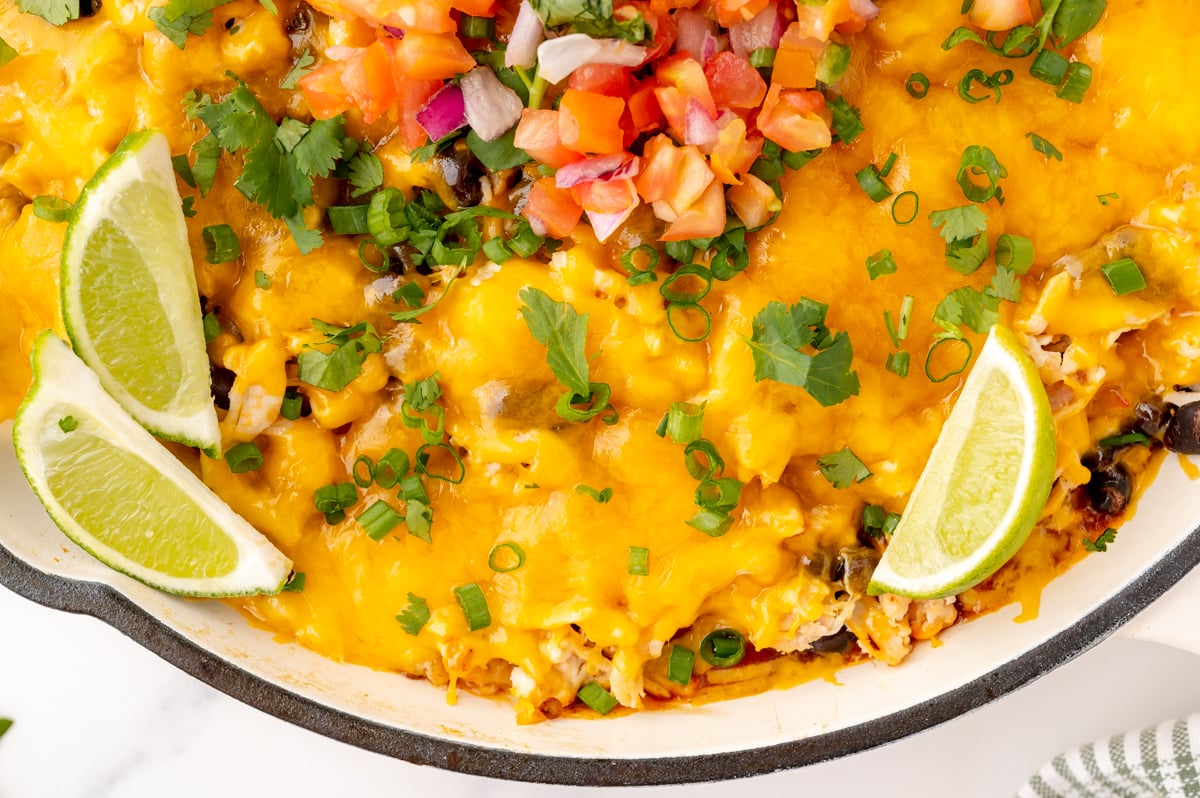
815	722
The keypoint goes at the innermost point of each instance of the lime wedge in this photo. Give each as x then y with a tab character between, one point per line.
985	484
129	294
114	490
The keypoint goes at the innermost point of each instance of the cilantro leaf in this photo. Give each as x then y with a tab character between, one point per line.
319	150
366	173
969	306
303	65
960	224
178	18
843	468
335	369
556	326
415	615
499	154
208	157
56	12
593	17
1044	147
1101	543
7	52
306	240
779	332
1005	285
965	256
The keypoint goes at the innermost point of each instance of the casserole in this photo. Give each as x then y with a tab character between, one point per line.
870	705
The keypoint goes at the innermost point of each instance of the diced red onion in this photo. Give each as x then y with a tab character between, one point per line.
713	45
491	107
691	29
444	113
700	127
558	58
764	29
527	33
394	32
864	8
618	166
605	224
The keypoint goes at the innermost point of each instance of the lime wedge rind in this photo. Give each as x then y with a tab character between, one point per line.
921	560
64	385
141	166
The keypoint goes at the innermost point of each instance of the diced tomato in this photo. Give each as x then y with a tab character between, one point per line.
702	219
430	56
796	59
731	12
364	80
790	119
662	25
753	201
677	176
590	123
476	8
733	82
551	210
684	73
607	196
645	114
735	153
1000	14
607	79
412	96
537	134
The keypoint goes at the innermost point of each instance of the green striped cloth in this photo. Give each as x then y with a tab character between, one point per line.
1159	761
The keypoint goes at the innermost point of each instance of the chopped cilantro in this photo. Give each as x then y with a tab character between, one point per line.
415	615
56	12
976	309
499	154
1005	284
366	173
600	496
779	333
7	52
593	17
262	279
1044	147
178	18
1101	543
843	468
301	68
333	370
296	583
967	255
960	224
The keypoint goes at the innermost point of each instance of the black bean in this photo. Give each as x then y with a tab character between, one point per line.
222	384
1149	418
1183	430
462	173
1109	488
836	643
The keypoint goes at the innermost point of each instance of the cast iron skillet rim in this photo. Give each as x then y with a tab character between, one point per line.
114	609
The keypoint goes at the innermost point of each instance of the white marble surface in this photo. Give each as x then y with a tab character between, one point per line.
98	716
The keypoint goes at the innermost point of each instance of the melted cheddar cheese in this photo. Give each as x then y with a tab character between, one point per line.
572	613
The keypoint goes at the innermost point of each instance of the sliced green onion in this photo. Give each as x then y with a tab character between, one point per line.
1076	82
798	160
599	496
695	283
953	372
348	220
1124	440
898	215
683	251
872	184
52	209
244	457
917	85
713	523
597	698
889	164
683	422
899	331
506	557
476	27
834	63
574	407
474	606
721	495
426	452
525	242
702	459
221	244
419	519
293	404
262	279
188	206
212	327
847	124
897	363
379	519
385	258
1014	252
685	308
638	563
983	79
68	424
1003	77
386	205
333	500
979	161
723	648
873	518
680	664
495	250
880	263
413	489
366	476
1049	67
295	584
1124	276
390	468
762	57
645	273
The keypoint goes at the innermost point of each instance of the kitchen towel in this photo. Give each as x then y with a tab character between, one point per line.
1158	761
